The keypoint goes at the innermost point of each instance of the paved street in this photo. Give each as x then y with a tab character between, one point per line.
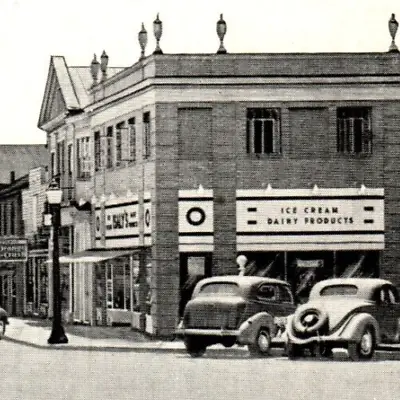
35	373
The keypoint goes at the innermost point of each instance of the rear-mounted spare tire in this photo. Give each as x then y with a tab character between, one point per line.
309	320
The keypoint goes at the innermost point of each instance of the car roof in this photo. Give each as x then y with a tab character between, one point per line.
241	280
365	285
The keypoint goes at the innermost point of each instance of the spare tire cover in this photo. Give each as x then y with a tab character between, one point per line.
308	319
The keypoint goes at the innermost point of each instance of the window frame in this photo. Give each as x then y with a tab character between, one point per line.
263	140
349	140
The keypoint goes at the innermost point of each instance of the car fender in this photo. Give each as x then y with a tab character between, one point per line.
249	328
354	328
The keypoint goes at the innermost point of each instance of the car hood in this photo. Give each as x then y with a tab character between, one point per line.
339	308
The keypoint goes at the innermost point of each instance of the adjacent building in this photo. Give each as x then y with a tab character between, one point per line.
16	160
178	164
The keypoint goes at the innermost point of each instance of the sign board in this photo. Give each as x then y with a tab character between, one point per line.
121	224
196	220
13	250
295	219
310	263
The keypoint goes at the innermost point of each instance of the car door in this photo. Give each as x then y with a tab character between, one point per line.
286	301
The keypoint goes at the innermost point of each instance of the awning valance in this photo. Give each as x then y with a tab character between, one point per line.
95	255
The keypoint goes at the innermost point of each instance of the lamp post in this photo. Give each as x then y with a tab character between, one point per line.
54	195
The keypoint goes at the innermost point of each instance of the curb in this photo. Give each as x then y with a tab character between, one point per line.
127	349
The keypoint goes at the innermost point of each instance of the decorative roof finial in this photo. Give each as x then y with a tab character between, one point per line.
142	40
393	26
94	69
157	29
103	65
221	31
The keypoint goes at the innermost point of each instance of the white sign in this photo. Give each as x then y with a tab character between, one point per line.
293	219
196	220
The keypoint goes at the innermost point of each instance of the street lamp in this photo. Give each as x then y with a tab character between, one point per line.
54	195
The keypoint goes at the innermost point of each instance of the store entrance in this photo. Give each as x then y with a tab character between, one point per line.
193	267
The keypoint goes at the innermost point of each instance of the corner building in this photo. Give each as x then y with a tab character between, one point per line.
195	159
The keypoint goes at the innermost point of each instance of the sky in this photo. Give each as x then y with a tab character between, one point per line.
33	30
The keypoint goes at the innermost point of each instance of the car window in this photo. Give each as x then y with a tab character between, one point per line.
285	295
267	292
219	289
339	290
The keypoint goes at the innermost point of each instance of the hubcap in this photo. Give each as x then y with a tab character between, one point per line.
263	341
366	343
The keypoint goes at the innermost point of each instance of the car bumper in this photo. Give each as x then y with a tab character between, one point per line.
206	332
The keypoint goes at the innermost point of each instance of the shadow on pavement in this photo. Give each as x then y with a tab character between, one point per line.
96	332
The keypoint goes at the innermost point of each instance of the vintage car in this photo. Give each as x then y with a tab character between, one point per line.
3	321
357	314
235	310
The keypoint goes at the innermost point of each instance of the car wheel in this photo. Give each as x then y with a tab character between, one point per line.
229	342
194	346
364	348
262	343
308	320
293	351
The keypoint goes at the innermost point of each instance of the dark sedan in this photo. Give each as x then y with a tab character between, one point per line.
235	310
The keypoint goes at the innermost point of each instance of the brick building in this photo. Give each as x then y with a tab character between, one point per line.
189	160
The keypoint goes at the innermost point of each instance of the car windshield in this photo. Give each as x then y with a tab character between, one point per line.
220	289
339	290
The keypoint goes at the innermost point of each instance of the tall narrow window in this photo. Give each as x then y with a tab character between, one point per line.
263	131
83	157
70	160
354	133
109	147
118	142
60	158
53	164
132	139
146	135
97	151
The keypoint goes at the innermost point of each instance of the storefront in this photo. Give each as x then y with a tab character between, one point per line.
13	258
106	282
37	284
304	236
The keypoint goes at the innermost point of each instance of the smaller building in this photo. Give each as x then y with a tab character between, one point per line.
15	160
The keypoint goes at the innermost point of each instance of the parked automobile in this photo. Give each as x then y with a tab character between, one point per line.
3	321
357	314
235	310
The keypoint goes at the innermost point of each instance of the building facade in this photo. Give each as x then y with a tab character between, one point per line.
183	162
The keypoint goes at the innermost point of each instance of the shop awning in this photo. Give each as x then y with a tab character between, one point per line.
95	255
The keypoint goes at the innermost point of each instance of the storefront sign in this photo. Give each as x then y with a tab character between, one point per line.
121	222
196	220
310	263
328	216
12	250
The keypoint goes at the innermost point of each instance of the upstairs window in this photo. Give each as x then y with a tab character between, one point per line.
132	139
146	135
354	133
83	157
109	147
118	142
97	151
263	131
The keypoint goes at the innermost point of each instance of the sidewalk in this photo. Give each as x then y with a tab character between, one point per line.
34	333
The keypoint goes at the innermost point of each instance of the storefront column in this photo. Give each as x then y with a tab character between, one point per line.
19	287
